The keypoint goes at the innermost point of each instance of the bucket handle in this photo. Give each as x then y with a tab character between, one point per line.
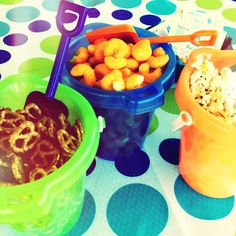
184	119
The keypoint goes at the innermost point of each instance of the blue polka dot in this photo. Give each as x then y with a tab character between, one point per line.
127	4
231	32
169	150
122	14
150	19
161	7
87	216
39	26
137	209
4	28
4	56
132	161
22	14
201	206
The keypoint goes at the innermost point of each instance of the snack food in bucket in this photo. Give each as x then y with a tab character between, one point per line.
33	145
115	65
214	89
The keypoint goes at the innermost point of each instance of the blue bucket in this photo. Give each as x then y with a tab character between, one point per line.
127	114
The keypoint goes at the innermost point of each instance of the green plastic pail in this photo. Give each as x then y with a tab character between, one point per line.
53	204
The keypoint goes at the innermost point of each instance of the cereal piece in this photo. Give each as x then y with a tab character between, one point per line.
159	61
115	63
159	52
126	72
118	84
101	70
91	49
152	76
80	56
144	68
99	51
116	48
142	50
86	71
132	64
134	81
107	80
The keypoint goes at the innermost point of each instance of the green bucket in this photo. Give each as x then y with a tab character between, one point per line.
53	204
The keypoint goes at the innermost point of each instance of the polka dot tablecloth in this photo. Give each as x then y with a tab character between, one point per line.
158	201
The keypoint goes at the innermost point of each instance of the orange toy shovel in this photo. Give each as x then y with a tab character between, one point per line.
128	34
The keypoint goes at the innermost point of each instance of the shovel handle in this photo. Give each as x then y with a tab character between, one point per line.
66	36
194	38
83	12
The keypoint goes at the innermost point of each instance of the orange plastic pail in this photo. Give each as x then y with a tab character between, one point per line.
208	145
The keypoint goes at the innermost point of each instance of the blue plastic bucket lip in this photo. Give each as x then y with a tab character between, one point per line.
134	101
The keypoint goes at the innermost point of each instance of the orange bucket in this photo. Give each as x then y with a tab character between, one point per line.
208	145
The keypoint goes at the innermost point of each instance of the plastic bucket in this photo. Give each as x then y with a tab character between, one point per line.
128	113
207	147
53	204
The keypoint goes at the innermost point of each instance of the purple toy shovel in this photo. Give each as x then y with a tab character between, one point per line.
46	102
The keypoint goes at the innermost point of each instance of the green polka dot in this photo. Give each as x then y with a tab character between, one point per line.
154	124
50	44
39	66
230	14
170	104
209	5
10	2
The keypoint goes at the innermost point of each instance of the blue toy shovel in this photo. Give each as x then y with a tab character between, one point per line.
46	102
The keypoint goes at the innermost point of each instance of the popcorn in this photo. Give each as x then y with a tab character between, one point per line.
214	90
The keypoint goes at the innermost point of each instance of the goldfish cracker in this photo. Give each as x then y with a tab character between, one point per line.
115	63
80	56
152	76
101	70
116	48
132	64
159	61
86	71
134	81
107	80
126	72
99	51
142	50
159	52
